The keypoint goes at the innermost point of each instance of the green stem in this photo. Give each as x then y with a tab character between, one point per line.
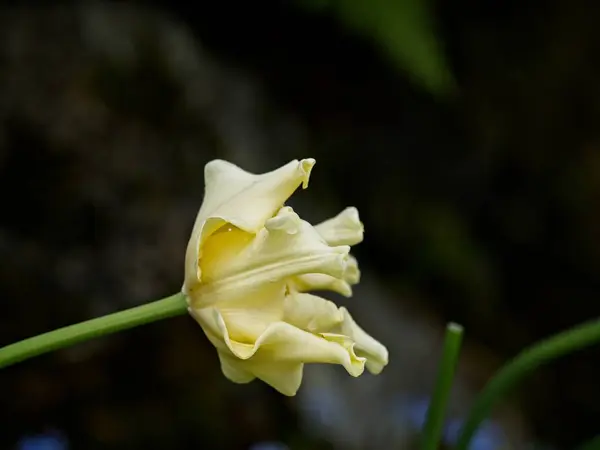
73	334
523	364
432	432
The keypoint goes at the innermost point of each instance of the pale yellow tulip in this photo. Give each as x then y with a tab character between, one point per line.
249	264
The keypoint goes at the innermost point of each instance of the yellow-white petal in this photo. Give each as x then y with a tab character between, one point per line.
247	314
242	199
311	313
343	229
286	247
351	272
375	353
320	282
283	343
208	320
284	376
234	370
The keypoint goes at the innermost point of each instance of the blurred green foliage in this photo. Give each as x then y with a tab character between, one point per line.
404	29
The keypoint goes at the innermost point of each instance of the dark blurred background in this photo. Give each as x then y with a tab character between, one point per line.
466	133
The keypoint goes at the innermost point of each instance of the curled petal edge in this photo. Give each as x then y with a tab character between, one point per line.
285	343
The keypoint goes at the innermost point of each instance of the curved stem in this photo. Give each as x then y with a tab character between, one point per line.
523	364
434	424
73	334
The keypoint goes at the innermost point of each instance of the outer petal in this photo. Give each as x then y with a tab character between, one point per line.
284	376
374	352
311	313
206	318
286	247
283	343
234	369
243	199
250	312
343	229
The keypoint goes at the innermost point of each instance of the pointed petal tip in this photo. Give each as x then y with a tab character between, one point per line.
217	165
345	228
352	213
306	166
339	262
352	272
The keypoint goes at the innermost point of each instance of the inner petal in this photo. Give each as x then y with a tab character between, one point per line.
319	282
220	251
287	246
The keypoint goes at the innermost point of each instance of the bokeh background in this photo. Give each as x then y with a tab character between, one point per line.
467	134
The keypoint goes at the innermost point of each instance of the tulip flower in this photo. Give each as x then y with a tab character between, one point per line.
250	265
